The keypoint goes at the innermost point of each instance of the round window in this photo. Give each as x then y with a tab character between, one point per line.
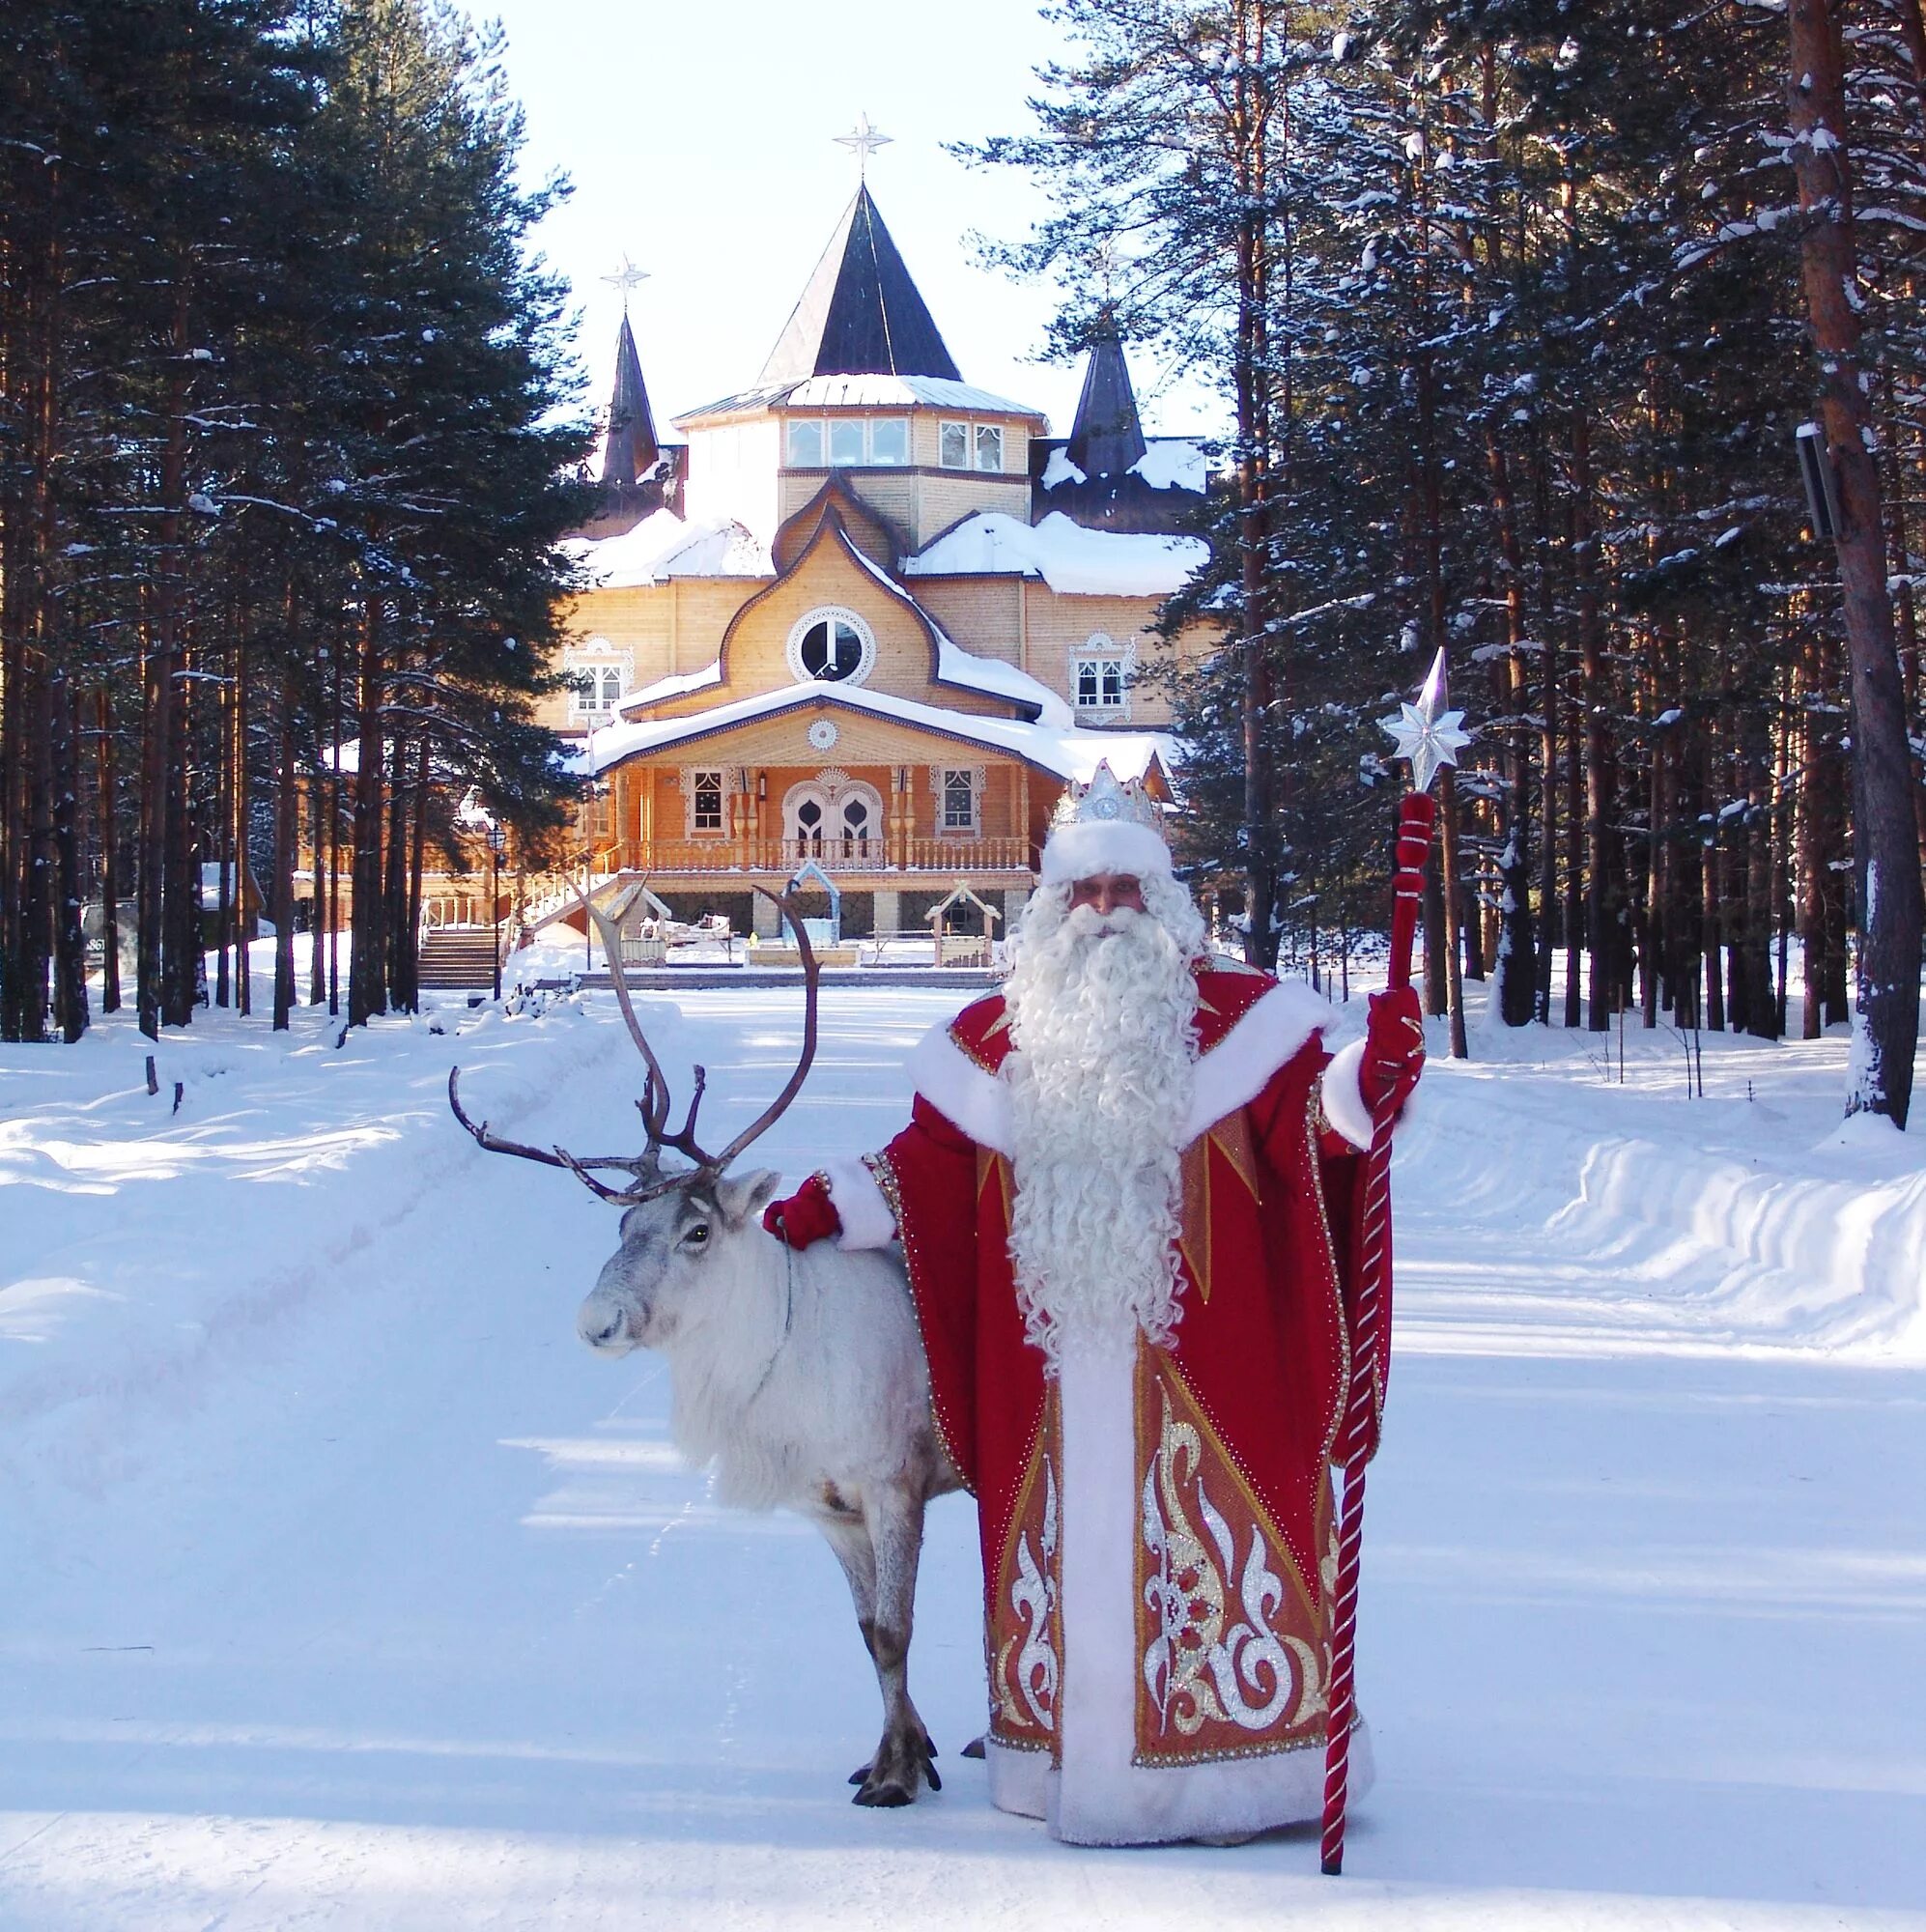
830	648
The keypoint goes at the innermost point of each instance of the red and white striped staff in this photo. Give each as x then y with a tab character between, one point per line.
1429	736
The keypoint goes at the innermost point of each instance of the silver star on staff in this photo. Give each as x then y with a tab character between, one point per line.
1426	732
863	141
628	277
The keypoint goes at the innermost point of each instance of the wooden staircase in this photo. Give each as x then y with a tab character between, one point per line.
457	956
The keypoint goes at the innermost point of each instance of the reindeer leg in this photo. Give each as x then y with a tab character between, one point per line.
849	1537
903	1760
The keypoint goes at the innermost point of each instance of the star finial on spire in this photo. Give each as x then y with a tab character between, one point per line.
863	141
628	277
1426	732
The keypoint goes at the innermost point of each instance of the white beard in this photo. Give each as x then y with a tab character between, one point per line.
1102	1023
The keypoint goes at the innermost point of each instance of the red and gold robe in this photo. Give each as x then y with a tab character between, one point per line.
1157	1523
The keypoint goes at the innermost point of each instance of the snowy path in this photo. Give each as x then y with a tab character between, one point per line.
380	1603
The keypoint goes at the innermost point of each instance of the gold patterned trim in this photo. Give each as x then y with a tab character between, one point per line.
887	1185
1246	1483
971	1051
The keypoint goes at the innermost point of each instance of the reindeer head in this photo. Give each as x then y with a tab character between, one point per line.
679	1252
673	1224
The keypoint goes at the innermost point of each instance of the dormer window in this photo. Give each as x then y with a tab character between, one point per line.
954	446
990	447
889	439
846	442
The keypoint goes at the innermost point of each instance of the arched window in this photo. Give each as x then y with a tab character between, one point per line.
832	646
837	821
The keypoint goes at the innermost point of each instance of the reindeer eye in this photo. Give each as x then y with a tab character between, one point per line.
696	1234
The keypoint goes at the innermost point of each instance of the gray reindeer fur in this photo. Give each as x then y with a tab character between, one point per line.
801	1378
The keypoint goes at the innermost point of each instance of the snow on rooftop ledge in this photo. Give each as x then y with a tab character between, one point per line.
1061	469
1069	558
1172	463
662	546
664	688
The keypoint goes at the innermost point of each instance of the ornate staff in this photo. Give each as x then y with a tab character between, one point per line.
1428	735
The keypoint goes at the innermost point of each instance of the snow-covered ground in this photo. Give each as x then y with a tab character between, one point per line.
344	1588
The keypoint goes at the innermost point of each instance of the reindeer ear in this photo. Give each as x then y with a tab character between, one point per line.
738	1200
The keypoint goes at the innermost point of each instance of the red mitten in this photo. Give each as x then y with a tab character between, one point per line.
807	1216
1394	1048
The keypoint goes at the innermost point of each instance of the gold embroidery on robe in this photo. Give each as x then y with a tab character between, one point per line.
1232	1652
1024	1638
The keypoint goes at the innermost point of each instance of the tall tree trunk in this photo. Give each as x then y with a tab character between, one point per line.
110	905
286	841
184	962
70	948
367	970
1515	946
1601	940
1885	841
245	922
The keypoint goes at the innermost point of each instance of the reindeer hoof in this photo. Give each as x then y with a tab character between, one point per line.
892	1779
973	1749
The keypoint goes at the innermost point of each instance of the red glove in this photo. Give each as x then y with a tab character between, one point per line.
1394	1048
807	1216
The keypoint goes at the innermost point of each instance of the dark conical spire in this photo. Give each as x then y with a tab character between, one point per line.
861	314
631	449
1107	436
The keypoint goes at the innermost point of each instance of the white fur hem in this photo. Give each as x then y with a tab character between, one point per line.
1343	1096
866	1220
1094	846
1231	1075
1236	1795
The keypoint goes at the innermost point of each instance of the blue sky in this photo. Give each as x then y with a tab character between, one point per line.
699	140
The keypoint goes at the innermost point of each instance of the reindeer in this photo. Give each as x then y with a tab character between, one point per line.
801	1376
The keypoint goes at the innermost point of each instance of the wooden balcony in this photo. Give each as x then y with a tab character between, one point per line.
783	858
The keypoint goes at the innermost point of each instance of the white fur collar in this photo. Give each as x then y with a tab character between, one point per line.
1231	1075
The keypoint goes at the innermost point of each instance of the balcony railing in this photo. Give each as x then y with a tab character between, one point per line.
787	856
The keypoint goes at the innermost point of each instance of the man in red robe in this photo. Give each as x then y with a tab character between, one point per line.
1127	1199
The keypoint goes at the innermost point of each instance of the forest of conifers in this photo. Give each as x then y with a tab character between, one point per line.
1517	307
284	453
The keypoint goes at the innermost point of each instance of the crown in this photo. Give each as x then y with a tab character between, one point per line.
1107	800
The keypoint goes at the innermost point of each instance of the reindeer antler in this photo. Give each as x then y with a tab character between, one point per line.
654	1105
485	1137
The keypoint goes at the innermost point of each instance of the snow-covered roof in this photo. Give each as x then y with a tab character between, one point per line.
1067	556
1065	749
1168	463
953	666
664	688
956	666
1174	463
662	546
856	392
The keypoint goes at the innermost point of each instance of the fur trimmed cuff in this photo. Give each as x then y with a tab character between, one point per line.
1344	1098
866	1219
